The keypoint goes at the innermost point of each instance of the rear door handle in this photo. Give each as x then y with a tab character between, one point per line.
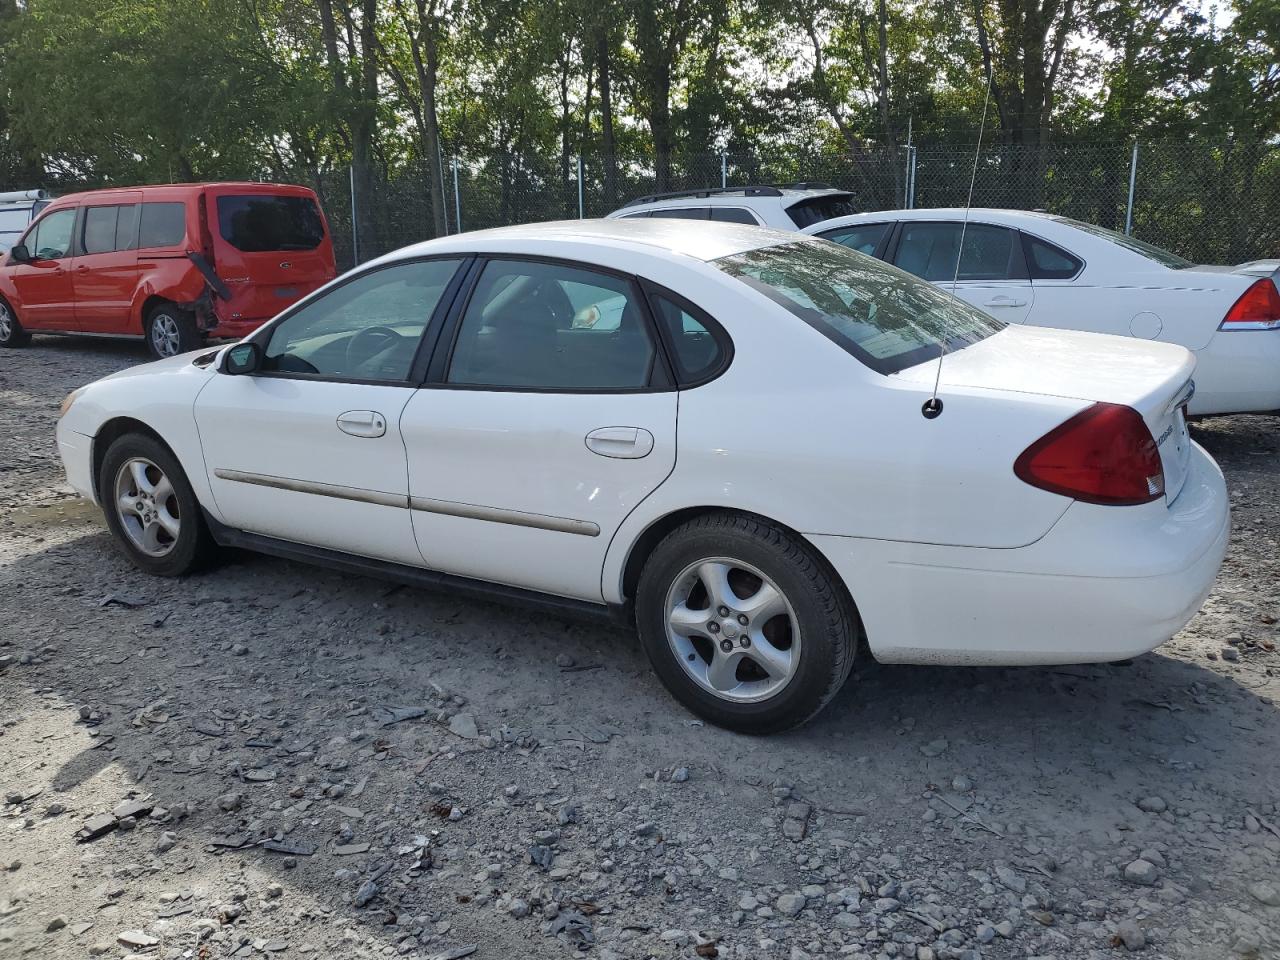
362	423
620	443
1005	302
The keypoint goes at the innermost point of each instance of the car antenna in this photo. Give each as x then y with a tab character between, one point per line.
933	406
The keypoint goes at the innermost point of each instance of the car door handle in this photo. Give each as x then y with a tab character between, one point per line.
362	423
621	443
1005	302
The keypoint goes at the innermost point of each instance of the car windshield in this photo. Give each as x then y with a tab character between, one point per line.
886	318
259	222
1148	250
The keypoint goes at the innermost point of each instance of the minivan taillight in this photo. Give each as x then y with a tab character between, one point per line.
1257	309
1104	454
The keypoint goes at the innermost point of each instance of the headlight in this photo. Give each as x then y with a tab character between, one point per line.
66	403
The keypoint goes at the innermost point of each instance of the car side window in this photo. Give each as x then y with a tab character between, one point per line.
162	224
863	237
366	329
100	229
127	227
684	213
733	215
928	249
699	346
1048	262
547	326
51	237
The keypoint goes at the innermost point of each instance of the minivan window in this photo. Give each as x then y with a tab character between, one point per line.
887	319
100	229
255	223
51	237
162	225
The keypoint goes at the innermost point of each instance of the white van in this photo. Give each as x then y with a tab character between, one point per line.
17	209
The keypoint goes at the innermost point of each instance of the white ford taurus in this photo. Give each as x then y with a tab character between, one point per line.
1048	271
726	433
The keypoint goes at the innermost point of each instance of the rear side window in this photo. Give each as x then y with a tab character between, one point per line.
733	215
1047	262
883	317
929	250
811	210
162	225
699	346
684	213
127	227
100	229
863	237
257	223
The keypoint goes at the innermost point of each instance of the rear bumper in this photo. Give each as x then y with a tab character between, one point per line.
76	451
1105	583
1238	371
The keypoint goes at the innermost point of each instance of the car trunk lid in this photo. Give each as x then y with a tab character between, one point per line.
1152	378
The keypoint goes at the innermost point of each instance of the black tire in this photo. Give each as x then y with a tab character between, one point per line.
11	332
193	547
170	330
828	622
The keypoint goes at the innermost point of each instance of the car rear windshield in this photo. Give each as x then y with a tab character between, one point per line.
823	207
1148	250
886	318
259	222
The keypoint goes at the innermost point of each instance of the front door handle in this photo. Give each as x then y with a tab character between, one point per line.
362	423
1005	302
620	443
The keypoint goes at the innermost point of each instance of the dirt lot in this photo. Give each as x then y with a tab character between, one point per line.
305	763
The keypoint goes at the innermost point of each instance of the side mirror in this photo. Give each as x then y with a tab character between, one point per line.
242	358
19	253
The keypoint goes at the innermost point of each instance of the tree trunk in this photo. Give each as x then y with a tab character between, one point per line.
607	145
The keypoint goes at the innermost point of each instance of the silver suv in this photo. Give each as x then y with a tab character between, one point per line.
791	207
17	209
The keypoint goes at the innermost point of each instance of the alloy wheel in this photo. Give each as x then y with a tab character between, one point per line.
732	630
147	507
165	338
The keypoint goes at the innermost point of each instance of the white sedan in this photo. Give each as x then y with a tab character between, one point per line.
1048	271
749	463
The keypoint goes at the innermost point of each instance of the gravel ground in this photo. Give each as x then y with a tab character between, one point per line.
288	761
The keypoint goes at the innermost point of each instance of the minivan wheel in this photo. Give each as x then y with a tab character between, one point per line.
744	623
11	332
151	509
171	331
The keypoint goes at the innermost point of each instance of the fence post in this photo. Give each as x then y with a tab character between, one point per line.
911	182
724	169
1133	180
582	215
457	197
440	167
355	223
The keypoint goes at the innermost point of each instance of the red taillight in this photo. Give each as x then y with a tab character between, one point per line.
1104	454
1257	309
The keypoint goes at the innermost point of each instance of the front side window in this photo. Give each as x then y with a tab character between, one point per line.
256	223
929	250
50	239
885	318
552	327
365	329
162	225
863	237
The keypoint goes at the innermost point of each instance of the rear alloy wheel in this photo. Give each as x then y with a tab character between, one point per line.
11	332
171	331
744	623
151	508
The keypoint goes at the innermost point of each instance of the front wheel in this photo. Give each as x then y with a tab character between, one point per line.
744	623
150	507
11	332
171	331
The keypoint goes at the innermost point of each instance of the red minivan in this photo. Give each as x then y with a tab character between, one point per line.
174	263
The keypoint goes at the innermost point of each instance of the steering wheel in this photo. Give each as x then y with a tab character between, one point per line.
371	341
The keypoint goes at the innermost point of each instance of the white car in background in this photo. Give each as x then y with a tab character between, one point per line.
749	466
1048	271
790	207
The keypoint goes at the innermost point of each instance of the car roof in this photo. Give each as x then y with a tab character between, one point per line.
731	197
710	241
184	189
988	214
